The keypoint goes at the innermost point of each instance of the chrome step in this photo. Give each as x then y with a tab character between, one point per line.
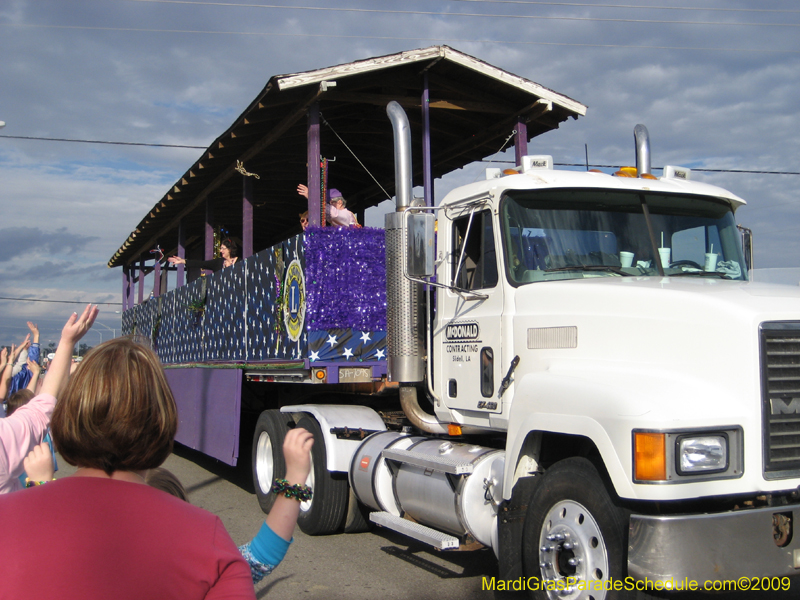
437	539
443	464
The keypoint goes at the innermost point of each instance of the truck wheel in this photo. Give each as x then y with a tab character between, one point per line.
325	512
574	532
268	463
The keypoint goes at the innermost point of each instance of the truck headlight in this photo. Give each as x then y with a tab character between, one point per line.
687	455
702	454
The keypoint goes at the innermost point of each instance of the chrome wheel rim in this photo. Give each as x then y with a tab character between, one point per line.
265	467
305	505
573	558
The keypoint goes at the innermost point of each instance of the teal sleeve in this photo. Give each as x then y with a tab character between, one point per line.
268	547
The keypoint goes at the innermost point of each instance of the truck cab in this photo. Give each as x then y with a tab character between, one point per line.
645	388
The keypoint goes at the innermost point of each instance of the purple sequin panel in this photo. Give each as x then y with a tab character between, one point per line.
345	278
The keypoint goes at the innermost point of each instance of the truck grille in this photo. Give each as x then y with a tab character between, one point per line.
780	359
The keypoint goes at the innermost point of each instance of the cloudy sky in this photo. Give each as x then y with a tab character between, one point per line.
717	82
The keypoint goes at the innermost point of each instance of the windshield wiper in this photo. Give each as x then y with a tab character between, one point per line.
610	268
701	274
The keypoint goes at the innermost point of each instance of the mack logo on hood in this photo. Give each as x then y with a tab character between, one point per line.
462	331
784	406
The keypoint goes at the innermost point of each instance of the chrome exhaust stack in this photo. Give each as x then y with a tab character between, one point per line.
405	328
642	139
402	155
405	324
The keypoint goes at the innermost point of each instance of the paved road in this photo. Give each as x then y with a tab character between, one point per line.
363	566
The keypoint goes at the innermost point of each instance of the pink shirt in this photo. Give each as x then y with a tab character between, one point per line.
19	433
339	217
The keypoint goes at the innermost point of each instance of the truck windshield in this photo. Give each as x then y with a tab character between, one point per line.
573	234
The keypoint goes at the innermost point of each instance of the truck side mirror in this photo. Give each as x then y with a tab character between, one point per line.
419	244
747	245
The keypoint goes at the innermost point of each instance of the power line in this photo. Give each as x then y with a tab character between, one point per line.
456	14
422	13
584	165
47	139
632	6
61	301
27	137
407	39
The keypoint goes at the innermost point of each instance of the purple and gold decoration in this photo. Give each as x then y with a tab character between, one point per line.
346	289
293	300
319	296
345	278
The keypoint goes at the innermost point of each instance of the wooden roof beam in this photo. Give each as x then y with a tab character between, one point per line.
229	171
531	112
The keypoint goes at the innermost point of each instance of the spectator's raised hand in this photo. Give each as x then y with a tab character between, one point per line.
34	367
17	350
34	331
39	463
77	326
302	190
3	355
297	453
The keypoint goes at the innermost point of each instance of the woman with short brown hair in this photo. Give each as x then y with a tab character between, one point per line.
102	532
112	418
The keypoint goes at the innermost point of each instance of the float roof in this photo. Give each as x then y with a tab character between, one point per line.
474	107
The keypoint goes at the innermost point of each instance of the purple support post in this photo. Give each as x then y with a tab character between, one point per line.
520	141
427	170
181	252
209	241
124	288
131	290
209	231
313	153
157	279
141	281
247	217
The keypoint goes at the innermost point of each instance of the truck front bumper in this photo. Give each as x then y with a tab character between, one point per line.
715	547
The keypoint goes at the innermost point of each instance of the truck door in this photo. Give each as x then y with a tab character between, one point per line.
469	335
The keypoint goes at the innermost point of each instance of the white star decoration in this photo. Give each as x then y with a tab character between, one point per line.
348	353
314	356
365	337
380	354
331	340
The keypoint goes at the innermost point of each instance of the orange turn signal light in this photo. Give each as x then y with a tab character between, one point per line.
453	429
649	456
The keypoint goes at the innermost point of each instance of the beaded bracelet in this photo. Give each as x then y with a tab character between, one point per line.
29	483
301	493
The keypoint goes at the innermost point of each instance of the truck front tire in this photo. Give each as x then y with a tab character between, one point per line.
268	463
325	512
574	535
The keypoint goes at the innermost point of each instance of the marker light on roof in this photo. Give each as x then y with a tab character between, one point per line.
626	172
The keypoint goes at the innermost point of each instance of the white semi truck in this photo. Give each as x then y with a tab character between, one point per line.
595	389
